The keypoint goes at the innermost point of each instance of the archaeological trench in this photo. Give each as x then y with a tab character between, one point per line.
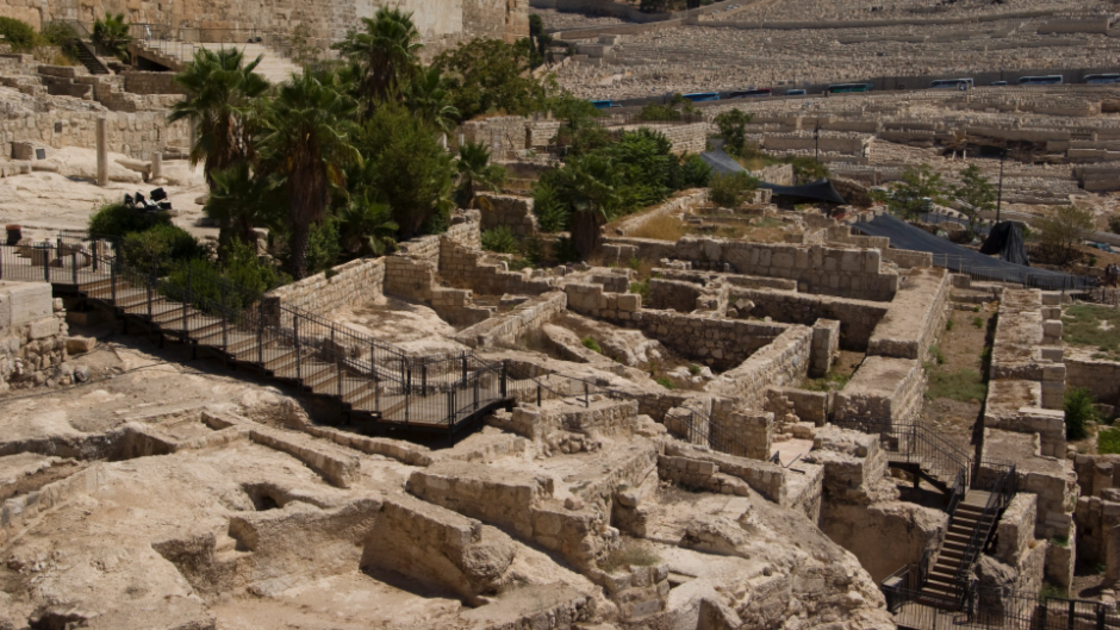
710	433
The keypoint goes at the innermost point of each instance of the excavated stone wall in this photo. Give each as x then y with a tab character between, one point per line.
882	387
32	334
784	361
1101	378
858	318
137	135
356	282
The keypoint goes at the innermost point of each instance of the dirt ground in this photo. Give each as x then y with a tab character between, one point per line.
961	348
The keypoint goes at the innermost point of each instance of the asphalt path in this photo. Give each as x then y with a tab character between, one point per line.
963	260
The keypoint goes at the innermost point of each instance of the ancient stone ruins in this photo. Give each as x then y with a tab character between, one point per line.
759	417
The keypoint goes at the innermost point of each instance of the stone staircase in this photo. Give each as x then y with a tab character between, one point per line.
942	584
175	54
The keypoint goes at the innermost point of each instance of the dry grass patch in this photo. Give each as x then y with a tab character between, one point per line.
663	227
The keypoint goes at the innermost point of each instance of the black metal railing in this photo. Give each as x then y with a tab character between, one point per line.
281	340
914	443
697	427
999	497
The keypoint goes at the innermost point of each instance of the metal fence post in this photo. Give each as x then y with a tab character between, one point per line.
295	342
464	369
47	264
451	406
424	378
586	398
407	393
74	265
113	280
505	364
225	318
260	337
187	298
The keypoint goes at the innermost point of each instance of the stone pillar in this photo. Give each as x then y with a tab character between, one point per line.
157	165
1112	554
102	152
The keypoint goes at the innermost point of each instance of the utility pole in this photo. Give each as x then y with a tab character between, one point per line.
999	193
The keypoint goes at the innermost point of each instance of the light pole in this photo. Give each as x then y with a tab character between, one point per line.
999	191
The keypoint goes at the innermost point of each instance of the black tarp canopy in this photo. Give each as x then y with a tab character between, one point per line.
820	190
1006	240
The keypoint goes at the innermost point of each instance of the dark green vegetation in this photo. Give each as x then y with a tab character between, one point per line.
606	177
1080	412
1108	441
1093	326
729	191
733	130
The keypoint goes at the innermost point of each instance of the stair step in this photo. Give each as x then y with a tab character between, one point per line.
364	398
308	368
173	315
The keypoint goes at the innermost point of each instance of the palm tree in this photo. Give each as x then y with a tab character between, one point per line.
111	34
308	142
241	200
476	172
386	50
220	94
587	186
368	227
429	98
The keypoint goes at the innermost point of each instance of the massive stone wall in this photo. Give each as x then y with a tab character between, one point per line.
356	282
440	22
134	134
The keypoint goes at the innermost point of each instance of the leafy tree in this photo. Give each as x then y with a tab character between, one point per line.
308	143
241	200
62	35
552	215
476	172
367	227
111	34
221	99
1114	224
588	186
733	129
578	115
385	50
536	25
728	191
694	172
160	247
18	34
500	239
429	98
488	75
1063	229
975	194
912	196
807	170
408	169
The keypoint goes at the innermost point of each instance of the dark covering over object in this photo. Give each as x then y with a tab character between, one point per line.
1006	240
820	190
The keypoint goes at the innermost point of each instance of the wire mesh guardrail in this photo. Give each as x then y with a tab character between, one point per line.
999	609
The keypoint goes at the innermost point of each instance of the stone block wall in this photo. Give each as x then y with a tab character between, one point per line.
462	266
512	211
826	346
719	472
410	278
138	82
682	201
356	282
1102	378
720	343
505	329
915	318
32	334
858	318
882	387
850	273
136	135
673	294
783	362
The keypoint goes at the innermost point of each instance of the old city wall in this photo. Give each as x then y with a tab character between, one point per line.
858	318
136	135
440	22
785	361
356	282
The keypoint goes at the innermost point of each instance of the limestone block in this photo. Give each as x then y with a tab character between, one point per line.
80	345
45	327
1052	328
28	302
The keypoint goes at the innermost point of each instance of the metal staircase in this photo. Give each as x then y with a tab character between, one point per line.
373	382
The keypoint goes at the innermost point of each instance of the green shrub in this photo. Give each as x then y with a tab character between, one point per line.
117	220
18	34
949	324
642	289
1114	224
1079	412
1108	441
729	191
323	246
665	382
657	112
565	250
591	344
695	172
62	35
936	353
694	369
978	321
500	239
159	248
247	279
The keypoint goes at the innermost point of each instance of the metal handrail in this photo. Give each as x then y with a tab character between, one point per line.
1002	491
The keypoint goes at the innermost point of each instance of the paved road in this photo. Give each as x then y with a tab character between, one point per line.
964	260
